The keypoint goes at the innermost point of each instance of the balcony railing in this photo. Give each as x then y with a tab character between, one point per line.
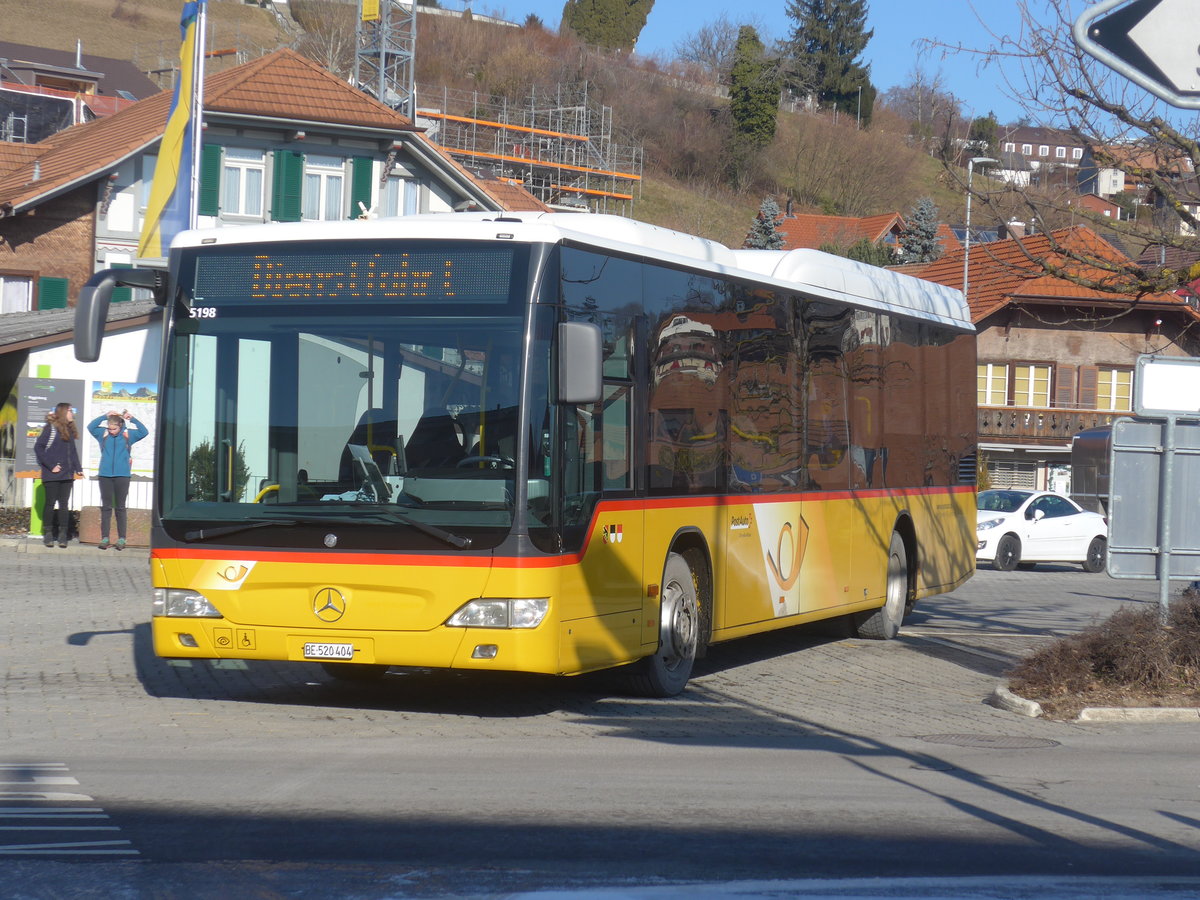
1039	426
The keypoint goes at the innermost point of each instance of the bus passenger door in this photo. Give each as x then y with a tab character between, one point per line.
830	509
603	614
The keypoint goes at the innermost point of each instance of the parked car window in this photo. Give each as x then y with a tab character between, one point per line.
1002	501
1052	507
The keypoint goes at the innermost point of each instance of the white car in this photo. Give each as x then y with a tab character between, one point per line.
1017	528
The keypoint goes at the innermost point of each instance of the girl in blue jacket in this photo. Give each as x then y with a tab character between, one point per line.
56	452
116	466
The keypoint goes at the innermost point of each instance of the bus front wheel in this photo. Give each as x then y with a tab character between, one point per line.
666	672
883	624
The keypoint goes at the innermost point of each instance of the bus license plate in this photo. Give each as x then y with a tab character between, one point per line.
328	651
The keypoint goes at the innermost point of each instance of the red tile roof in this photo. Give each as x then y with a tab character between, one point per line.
286	85
509	193
947	238
810	231
1004	272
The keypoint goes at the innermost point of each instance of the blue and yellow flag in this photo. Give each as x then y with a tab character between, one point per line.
169	209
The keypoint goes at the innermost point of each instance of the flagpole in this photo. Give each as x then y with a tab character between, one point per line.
196	124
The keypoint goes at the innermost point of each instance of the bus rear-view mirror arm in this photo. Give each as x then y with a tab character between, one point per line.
580	358
91	310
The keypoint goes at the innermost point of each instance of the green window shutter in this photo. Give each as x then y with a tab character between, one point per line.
286	184
362	177
209	203
52	293
121	294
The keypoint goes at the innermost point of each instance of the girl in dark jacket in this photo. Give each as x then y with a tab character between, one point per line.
116	465
59	457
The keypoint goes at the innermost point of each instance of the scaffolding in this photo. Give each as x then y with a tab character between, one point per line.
556	144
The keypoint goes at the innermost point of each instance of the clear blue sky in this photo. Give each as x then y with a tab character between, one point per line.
892	52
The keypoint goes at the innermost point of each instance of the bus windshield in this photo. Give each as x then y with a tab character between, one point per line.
372	400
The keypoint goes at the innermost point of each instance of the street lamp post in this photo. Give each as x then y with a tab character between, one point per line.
981	160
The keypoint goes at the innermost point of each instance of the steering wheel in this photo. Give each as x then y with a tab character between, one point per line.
494	462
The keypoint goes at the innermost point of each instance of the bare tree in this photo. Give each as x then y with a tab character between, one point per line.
926	103
711	47
1123	129
329	34
829	164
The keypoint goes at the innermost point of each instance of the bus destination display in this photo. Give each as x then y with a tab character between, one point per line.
471	275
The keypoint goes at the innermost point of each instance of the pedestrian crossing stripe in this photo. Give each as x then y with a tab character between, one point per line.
35	814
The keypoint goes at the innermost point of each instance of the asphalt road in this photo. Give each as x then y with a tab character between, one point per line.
795	755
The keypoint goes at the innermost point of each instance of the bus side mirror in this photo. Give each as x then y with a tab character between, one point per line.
580	358
91	310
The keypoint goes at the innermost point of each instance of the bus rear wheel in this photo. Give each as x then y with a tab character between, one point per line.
666	672
883	624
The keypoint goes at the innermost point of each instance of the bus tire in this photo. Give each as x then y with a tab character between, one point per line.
665	672
349	671
883	624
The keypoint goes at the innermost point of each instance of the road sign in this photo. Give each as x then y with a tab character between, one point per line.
1153	43
1154	520
1167	386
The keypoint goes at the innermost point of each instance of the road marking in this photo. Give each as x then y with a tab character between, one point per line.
41	813
78	848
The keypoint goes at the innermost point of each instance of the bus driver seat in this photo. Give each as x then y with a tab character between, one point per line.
435	442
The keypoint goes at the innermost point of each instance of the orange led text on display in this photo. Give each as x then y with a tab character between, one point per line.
284	280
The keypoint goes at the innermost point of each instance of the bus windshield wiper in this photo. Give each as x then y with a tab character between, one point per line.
457	541
204	534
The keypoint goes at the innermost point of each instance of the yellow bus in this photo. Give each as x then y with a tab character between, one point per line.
549	443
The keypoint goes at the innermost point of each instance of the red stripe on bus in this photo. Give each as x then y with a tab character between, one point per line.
543	562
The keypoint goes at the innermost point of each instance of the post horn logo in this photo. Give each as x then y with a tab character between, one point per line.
789	554
329	605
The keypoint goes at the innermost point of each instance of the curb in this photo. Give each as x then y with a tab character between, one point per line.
1139	714
1002	698
33	544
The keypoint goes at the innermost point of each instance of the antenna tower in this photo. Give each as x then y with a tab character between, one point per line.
385	52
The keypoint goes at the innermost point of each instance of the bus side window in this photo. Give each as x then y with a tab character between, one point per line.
615	447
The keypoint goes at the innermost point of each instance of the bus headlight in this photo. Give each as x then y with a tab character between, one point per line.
185	604
521	612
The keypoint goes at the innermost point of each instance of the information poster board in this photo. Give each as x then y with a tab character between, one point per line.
140	399
36	397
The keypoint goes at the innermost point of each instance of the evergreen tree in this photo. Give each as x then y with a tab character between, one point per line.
764	233
984	134
753	91
611	24
918	239
823	54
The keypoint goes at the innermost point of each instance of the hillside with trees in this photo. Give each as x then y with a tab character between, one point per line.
716	139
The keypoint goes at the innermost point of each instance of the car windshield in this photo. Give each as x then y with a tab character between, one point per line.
1001	501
